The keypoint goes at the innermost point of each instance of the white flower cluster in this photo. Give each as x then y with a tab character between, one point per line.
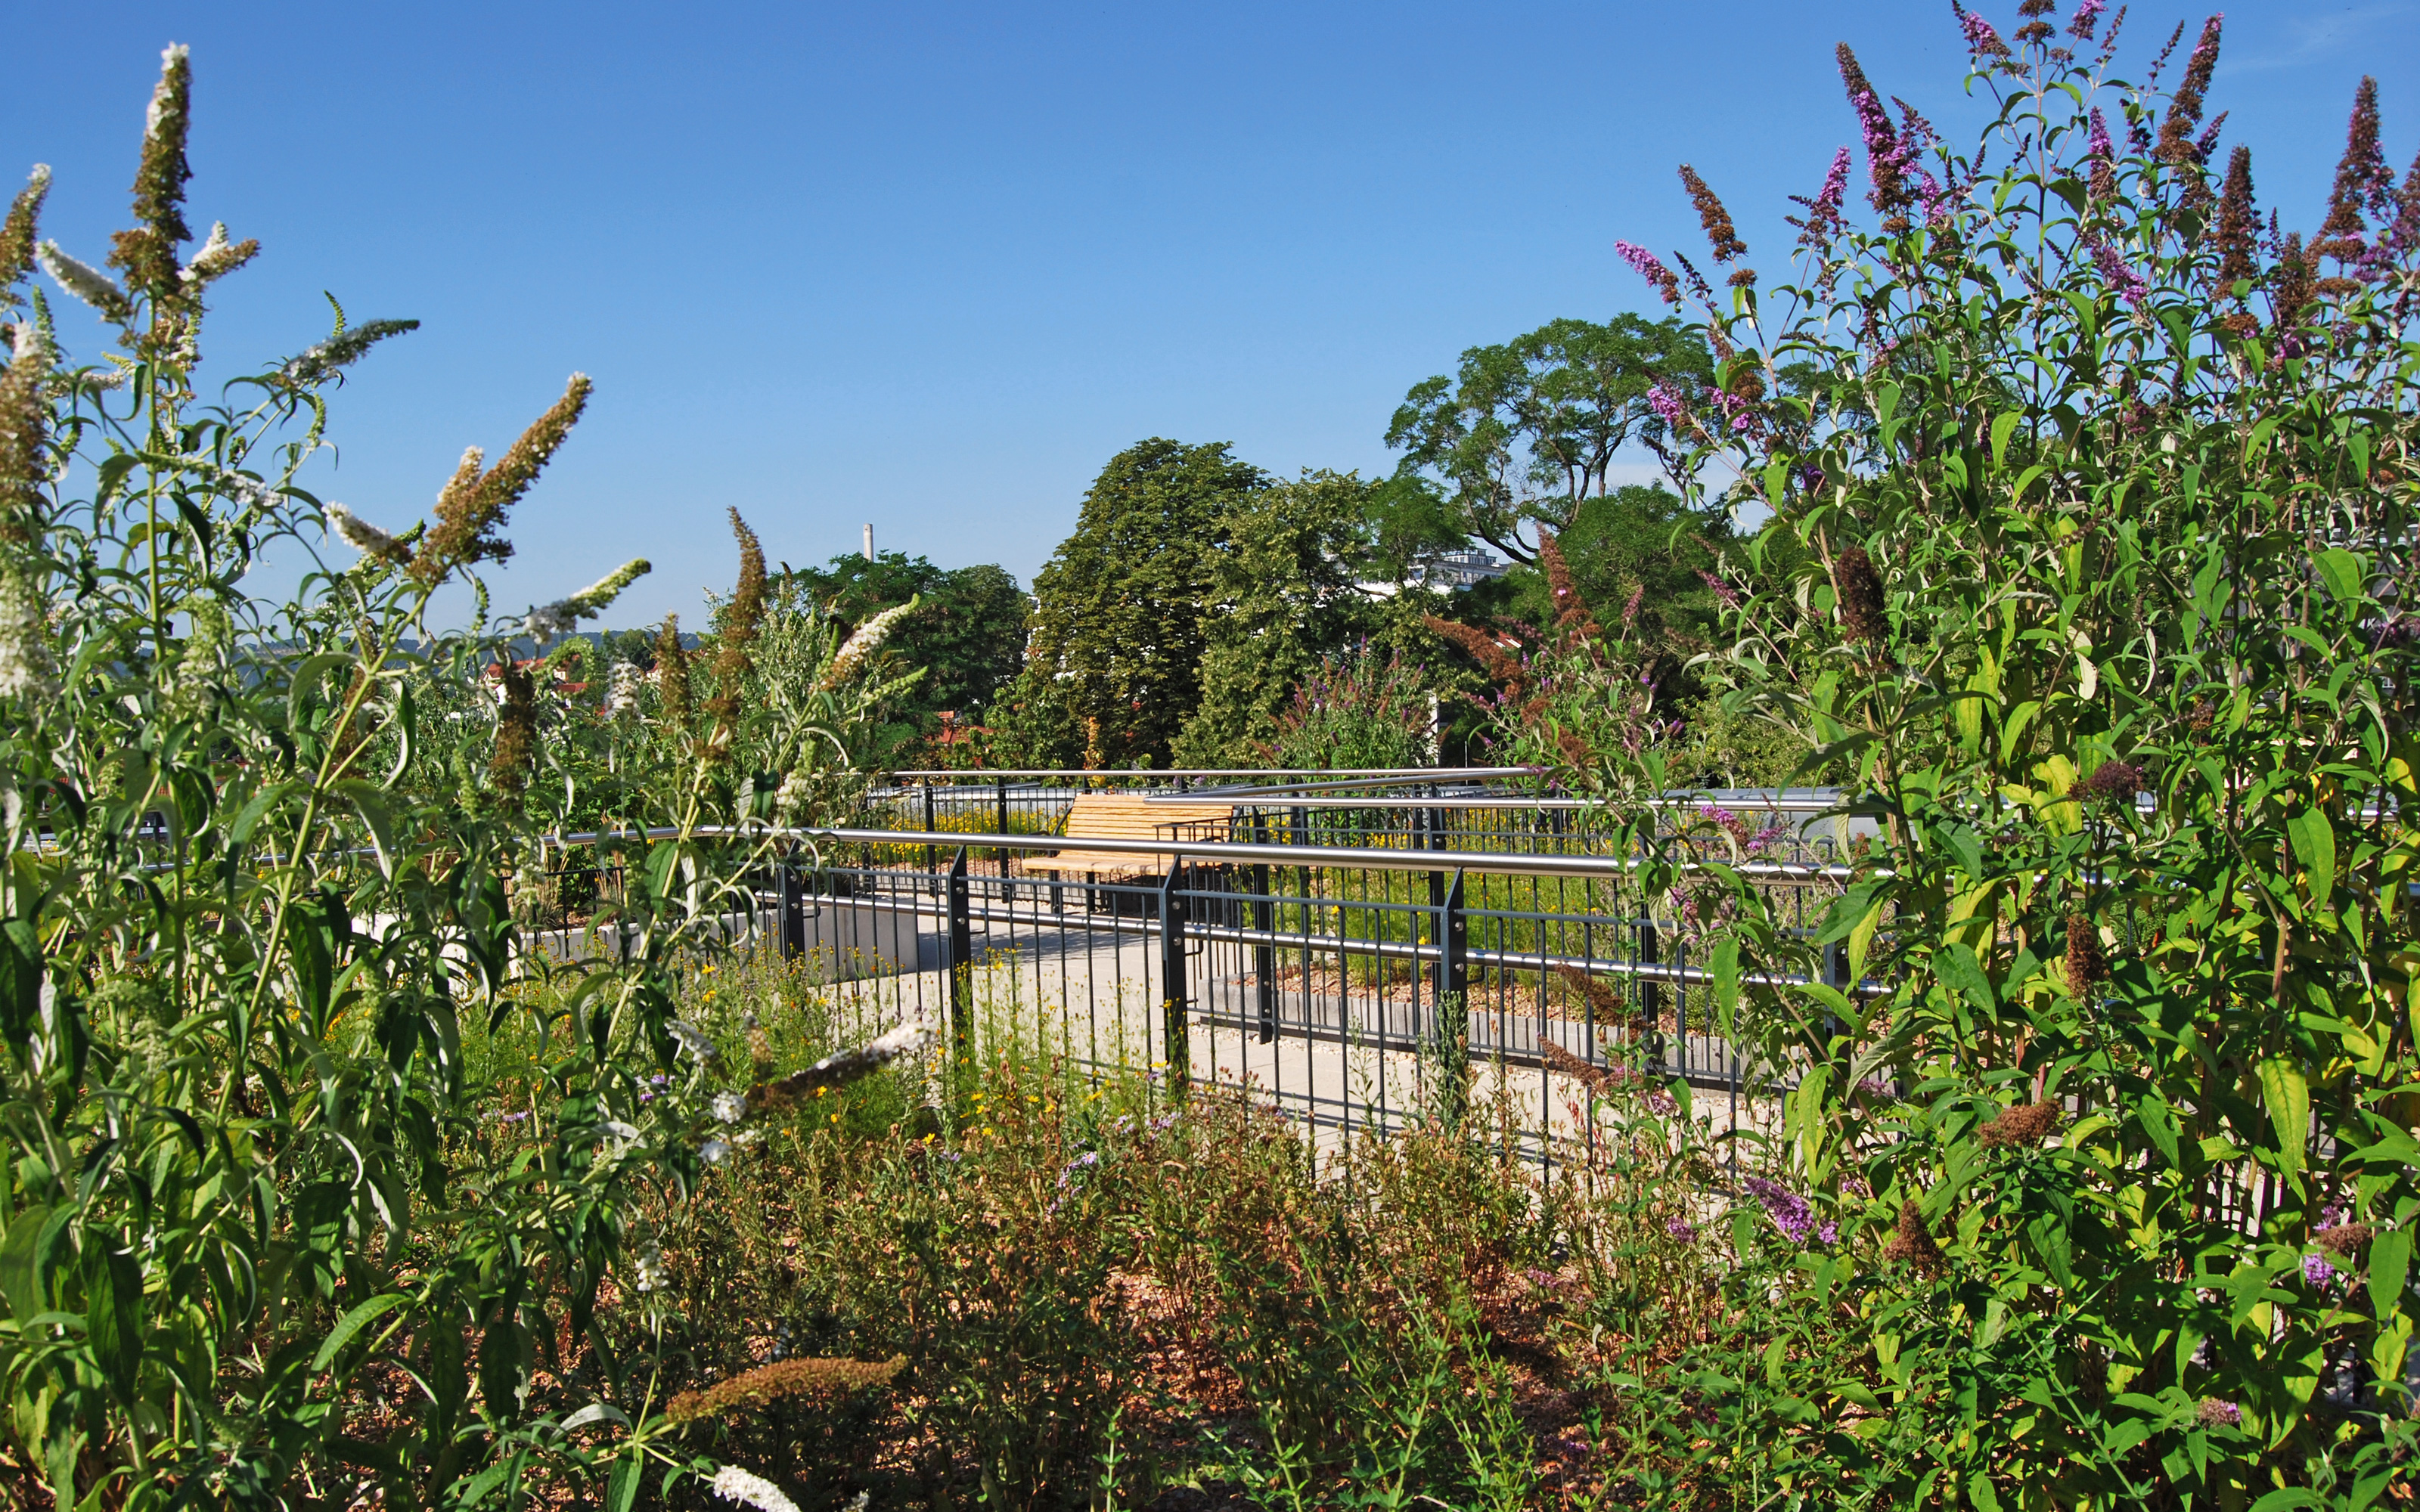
692	1040
564	616
26	343
622	687
174	53
734	1483
248	491
364	537
864	644
648	1267
729	1107
215	257
25	665
83	279
796	787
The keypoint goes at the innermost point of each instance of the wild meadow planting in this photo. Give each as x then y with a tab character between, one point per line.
2057	512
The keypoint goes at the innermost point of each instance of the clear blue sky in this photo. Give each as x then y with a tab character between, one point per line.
931	266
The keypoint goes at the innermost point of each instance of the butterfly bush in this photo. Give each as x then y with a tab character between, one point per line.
2084	489
265	855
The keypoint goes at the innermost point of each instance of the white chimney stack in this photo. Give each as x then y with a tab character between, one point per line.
869	540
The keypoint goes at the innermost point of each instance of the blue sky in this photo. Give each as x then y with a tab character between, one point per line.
931	266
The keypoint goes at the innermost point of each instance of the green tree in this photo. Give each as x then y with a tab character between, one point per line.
1526	432
1120	630
968	633
1286	596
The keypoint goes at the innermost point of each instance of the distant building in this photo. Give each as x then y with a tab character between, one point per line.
1461	570
1446	571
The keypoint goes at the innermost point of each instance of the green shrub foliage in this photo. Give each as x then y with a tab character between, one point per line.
263	1241
2089	564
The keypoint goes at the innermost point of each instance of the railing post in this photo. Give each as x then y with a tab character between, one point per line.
962	979
1650	991
794	912
1454	943
1174	1031
1449	1043
1265	954
931	860
1003	825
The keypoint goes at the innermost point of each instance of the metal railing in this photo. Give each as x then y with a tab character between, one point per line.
1353	987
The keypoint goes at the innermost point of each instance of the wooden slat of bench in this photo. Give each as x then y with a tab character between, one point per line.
1117	816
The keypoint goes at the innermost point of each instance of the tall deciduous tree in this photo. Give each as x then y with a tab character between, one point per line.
1525	432
1285	598
1120	627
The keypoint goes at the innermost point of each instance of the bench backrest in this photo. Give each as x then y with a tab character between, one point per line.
1131	816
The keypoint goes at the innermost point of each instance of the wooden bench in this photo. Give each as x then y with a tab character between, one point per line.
1127	817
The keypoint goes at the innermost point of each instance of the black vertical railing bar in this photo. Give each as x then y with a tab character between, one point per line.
1265	955
1003	825
961	969
932	857
1176	1049
1451	931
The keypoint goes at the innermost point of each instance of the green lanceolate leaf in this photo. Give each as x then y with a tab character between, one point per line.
2314	845
2287	1093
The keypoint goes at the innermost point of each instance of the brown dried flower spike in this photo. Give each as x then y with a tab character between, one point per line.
755	1390
734	632
474	503
671	675
2019	1128
148	253
18	235
1861	597
2344	1238
2086	963
1914	1243
1721	235
516	731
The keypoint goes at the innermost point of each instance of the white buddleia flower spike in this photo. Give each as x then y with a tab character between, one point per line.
25	665
174	53
692	1040
564	616
207	252
364	537
864	644
83	280
734	1483
26	343
622	690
